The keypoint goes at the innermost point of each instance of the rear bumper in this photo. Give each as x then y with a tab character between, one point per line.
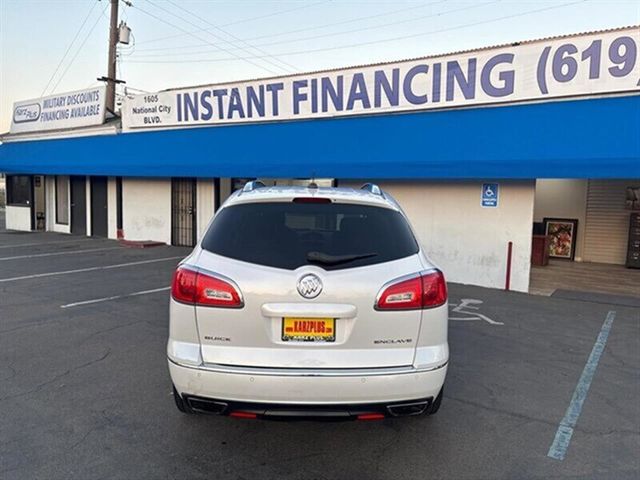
313	389
360	411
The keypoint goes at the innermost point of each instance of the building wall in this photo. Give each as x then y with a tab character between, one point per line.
205	202
467	241
18	218
563	199
146	209
112	209
146	205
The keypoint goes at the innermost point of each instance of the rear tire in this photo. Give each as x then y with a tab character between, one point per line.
180	403
435	405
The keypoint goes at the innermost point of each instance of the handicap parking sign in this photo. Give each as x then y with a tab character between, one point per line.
490	194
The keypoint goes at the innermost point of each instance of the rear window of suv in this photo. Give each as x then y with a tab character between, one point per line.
330	235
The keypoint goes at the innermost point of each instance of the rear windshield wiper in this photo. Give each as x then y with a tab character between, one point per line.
326	259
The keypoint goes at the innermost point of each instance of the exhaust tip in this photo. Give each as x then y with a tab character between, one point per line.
408	409
202	405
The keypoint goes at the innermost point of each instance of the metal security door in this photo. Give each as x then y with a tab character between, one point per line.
183	212
607	221
78	205
99	222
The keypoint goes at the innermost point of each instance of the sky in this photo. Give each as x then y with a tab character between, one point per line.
57	46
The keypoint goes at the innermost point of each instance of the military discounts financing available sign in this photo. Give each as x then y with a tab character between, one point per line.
81	108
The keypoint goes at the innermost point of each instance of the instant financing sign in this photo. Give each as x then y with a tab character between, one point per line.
66	110
597	63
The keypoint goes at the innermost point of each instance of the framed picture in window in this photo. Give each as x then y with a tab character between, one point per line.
562	237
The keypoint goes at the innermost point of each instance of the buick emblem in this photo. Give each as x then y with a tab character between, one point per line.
309	286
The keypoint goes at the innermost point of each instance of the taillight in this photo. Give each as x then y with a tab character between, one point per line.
434	289
183	285
426	290
198	288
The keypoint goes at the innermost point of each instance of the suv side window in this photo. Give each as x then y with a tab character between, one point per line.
330	235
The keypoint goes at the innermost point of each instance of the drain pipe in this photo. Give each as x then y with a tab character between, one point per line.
507	282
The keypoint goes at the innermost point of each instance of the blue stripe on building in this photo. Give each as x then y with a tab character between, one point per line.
589	138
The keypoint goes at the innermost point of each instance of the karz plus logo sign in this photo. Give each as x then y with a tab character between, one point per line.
26	113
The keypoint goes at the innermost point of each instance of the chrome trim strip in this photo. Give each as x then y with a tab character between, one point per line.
302	372
403	278
197	269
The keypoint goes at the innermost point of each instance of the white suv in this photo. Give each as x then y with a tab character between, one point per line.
308	302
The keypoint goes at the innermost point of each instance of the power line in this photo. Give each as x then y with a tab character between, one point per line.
236	22
129	87
266	59
317	27
248	59
69	47
344	32
288	65
80	48
344	22
218	47
374	42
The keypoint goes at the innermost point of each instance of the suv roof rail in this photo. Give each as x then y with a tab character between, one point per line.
252	185
372	188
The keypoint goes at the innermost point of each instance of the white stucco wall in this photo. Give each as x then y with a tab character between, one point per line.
205	203
18	218
563	199
112	209
146	209
467	241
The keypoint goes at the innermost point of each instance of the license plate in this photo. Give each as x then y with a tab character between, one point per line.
309	329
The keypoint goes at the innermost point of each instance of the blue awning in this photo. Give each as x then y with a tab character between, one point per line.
589	138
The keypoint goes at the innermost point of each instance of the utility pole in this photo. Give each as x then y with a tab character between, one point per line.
114	39
111	65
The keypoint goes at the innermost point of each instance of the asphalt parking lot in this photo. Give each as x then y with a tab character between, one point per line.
85	391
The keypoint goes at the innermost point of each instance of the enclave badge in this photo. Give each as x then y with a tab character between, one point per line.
309	286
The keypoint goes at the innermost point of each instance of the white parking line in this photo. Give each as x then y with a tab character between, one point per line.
81	239
558	448
89	269
115	297
69	252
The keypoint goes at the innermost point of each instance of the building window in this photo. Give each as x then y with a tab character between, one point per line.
62	200
19	190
